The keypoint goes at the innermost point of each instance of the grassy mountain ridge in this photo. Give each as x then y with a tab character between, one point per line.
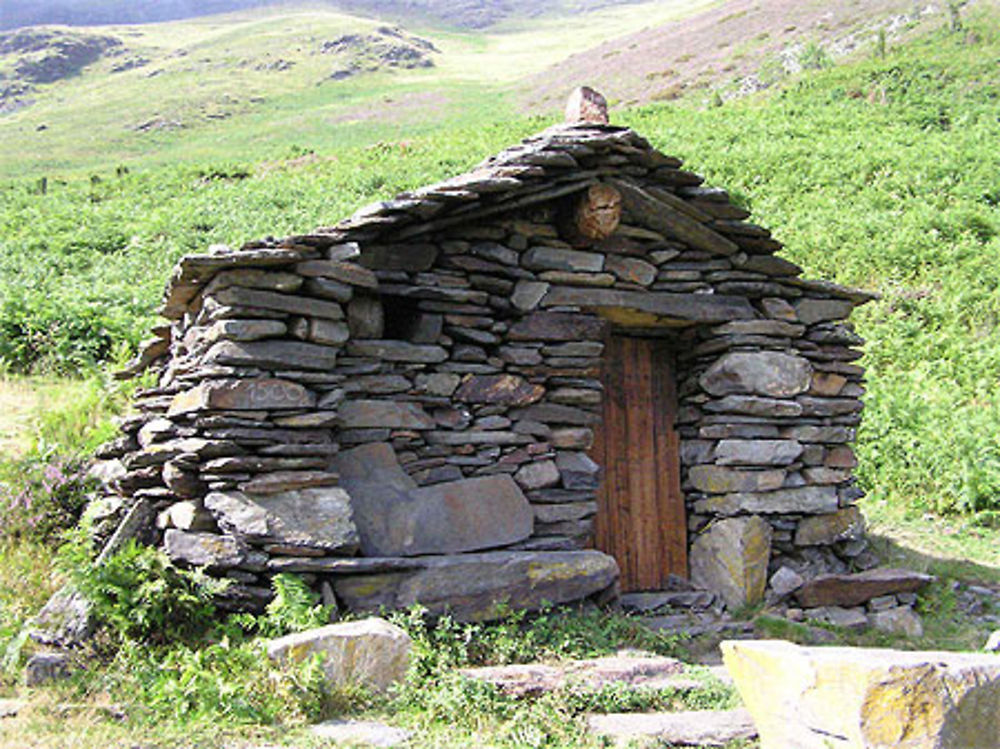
472	14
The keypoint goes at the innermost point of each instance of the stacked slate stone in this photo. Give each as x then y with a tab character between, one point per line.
400	406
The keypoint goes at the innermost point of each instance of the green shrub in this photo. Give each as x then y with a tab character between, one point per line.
294	608
227	681
139	595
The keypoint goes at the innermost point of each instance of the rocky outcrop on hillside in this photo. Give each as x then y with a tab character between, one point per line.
46	56
387	47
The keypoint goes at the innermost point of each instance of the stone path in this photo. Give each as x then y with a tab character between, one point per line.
634	669
366	732
689	728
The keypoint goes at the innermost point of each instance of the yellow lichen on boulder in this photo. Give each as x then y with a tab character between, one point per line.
855	698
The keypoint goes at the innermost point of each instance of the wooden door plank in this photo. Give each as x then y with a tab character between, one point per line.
641	515
673	513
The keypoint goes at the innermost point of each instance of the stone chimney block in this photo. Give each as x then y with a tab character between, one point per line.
586	105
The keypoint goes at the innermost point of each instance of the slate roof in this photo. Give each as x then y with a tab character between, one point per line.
556	162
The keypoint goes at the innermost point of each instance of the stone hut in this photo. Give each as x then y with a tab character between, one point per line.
571	371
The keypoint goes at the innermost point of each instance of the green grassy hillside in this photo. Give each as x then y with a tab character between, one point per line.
882	174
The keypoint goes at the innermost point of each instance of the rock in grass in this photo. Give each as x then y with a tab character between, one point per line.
371	653
45	667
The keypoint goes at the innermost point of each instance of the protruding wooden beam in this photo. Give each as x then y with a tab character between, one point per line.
666	219
597	212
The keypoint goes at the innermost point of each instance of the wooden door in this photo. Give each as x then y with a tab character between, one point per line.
641	520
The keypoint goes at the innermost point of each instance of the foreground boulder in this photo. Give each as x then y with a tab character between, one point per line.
823	698
371	653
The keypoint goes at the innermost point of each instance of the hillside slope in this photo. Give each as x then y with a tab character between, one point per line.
735	47
262	81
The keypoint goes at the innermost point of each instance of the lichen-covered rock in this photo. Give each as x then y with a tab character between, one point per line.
731	557
855	698
371	653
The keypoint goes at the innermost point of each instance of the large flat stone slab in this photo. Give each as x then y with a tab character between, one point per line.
317	518
856	589
259	394
476	587
371	652
685	728
395	517
854	698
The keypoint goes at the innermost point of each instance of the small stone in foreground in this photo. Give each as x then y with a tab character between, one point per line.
993	643
365	732
371	652
10	708
45	667
689	728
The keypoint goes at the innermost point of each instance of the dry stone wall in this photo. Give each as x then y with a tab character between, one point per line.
401	406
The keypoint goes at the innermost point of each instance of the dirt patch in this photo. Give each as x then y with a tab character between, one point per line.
738	47
403	108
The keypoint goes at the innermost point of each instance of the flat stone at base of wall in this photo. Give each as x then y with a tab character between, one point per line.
856	697
476	587
853	590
